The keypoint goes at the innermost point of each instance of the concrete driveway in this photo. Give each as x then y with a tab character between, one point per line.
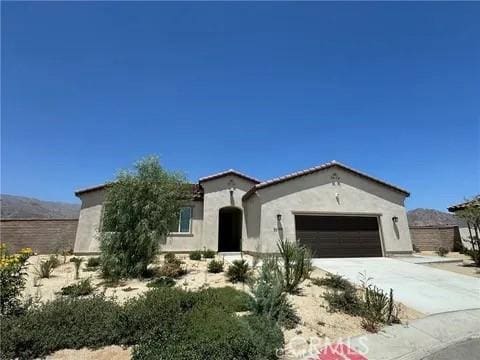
420	287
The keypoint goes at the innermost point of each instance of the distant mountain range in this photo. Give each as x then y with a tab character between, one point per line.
425	217
20	207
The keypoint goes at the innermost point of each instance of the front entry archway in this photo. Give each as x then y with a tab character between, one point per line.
229	229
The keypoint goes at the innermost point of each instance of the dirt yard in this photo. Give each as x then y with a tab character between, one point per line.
318	325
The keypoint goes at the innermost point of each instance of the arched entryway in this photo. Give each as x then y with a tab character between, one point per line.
229	229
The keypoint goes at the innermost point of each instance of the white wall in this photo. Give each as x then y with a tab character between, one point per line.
315	193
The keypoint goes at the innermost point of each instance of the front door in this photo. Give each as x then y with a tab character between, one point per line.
229	229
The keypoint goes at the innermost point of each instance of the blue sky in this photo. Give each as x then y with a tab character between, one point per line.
391	89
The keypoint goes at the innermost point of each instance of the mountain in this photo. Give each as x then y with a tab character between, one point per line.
424	217
20	207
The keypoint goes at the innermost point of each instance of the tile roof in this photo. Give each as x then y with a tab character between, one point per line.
475	201
228	172
315	169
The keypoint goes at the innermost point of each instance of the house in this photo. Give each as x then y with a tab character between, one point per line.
333	209
467	231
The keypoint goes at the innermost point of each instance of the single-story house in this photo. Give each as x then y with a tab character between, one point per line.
466	230
335	210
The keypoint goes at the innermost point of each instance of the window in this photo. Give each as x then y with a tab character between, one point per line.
184	221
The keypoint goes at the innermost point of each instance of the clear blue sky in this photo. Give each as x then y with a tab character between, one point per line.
392	89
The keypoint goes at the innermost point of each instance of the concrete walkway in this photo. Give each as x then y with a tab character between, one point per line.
420	287
421	338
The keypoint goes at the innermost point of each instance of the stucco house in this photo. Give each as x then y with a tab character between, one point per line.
466	231
335	210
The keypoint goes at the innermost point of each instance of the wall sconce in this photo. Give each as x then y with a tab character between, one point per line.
231	191
395	219
279	217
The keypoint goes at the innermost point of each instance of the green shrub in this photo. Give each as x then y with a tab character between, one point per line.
296	264
441	251
378	308
208	254
77	261
93	262
44	269
238	271
334	281
215	266
12	283
195	255
344	301
81	288
227	298
210	333
173	269
65	323
161	282
170	257
270	299
54	261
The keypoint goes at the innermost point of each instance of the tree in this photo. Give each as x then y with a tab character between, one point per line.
140	207
471	215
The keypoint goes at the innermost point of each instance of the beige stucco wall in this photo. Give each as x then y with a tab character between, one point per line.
216	196
87	240
316	194
465	236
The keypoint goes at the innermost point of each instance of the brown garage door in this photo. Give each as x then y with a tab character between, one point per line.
339	236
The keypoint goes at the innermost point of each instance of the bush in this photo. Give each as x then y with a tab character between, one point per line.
65	323
415	248
141	206
12	282
334	281
210	333
170	257
215	266
54	261
441	251
172	269
238	271
81	288
344	301
161	282
378	308
77	261
296	264
195	255
93	262
229	299
208	254
269	299
44	269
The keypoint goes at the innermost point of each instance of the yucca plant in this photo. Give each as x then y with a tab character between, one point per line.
44	269
238	271
296	264
77	261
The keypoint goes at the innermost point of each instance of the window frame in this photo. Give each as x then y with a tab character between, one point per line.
178	232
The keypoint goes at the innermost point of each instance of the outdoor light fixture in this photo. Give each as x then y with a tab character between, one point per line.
231	191
395	219
279	217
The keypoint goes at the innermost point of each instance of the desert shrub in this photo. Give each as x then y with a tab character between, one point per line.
210	333
141	206
77	261
81	288
65	323
296	264
441	251
170	257
415	248
208	254
346	301
269	298
227	298
378	308
173	269
215	266
44	269
161	282
54	261
334	281
93	262
12	280
238	271
195	255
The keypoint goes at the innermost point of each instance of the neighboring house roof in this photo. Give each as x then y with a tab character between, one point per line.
197	190
473	202
228	172
315	169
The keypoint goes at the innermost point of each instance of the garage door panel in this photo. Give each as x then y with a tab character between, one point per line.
339	236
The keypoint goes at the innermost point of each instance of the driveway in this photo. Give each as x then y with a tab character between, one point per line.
420	287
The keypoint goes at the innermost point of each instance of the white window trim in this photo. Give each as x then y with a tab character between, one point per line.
189	232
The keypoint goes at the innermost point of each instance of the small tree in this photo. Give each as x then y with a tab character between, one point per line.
140	207
471	215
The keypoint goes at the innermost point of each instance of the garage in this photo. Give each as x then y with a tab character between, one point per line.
339	236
